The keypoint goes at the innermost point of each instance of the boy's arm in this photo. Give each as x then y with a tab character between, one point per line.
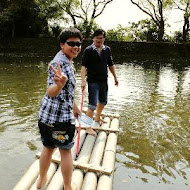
76	110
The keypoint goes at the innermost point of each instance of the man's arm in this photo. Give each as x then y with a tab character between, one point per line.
83	77
112	70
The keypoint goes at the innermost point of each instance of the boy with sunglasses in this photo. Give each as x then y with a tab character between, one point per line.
56	116
96	60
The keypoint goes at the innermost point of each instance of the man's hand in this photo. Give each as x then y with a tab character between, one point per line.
116	82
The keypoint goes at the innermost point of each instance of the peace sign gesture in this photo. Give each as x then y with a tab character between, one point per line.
59	78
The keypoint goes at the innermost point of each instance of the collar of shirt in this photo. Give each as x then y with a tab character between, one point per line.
67	61
60	58
94	47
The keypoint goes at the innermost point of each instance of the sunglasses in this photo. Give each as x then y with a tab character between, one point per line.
73	44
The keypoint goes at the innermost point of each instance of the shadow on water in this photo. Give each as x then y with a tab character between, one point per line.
152	98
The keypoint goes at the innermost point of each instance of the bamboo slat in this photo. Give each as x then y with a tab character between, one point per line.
105	181
29	177
90	179
50	173
103	129
84	157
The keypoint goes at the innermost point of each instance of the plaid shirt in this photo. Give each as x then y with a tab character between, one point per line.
60	107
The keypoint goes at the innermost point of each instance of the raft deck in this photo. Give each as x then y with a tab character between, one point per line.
93	167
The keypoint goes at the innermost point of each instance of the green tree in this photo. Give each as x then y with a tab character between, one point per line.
184	5
118	34
155	9
84	12
144	30
25	18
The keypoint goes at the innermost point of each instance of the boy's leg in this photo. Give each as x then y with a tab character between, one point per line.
66	168
45	160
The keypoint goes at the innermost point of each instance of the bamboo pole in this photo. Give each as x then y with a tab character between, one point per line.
29	177
84	157
85	167
111	116
105	181
51	171
57	180
103	129
90	179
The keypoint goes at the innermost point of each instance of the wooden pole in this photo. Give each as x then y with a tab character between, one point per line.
105	181
29	177
111	116
90	179
103	129
51	171
84	157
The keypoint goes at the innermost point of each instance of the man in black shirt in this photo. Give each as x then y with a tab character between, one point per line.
95	61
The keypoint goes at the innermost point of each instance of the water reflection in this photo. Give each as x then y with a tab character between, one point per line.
153	101
156	121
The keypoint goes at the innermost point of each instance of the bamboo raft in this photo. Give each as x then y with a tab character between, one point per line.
93	167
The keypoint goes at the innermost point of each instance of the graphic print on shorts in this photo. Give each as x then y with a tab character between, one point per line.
60	136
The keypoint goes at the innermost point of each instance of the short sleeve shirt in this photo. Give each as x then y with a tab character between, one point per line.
59	108
96	62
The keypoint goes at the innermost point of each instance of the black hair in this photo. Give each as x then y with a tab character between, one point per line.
99	32
69	33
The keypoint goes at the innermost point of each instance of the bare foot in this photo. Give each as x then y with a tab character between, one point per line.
99	120
90	131
72	187
41	183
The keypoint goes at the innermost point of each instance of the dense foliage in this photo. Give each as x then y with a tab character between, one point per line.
39	18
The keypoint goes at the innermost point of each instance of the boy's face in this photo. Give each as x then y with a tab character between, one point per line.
71	48
99	40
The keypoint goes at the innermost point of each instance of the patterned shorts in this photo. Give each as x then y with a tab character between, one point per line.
57	135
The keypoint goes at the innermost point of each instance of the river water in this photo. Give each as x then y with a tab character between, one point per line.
153	149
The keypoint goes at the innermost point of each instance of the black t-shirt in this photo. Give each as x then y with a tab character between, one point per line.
96	64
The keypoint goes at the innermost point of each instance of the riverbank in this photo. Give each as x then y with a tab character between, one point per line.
46	48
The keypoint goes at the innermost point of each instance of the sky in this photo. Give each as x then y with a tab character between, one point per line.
123	11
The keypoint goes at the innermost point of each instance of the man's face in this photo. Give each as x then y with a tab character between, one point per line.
99	40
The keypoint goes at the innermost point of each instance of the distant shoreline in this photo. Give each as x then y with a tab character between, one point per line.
46	48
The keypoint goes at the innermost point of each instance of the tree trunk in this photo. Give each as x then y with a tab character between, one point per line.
88	29
161	21
13	31
185	28
161	31
73	19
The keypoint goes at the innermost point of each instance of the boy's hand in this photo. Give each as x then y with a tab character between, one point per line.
83	84
59	78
